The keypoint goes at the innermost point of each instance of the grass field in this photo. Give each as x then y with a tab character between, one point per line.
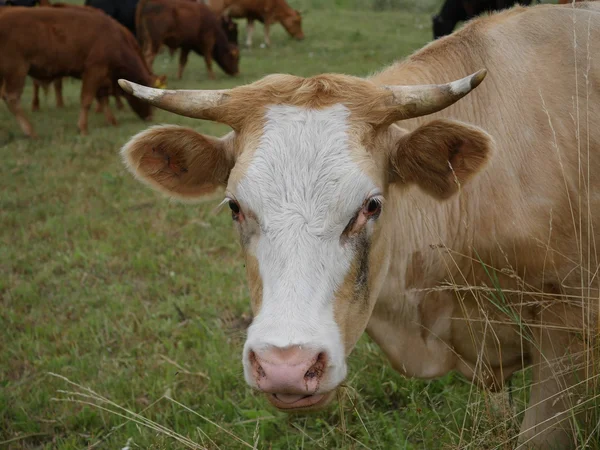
143	301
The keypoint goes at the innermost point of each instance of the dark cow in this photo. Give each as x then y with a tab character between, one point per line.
80	43
123	11
187	25
454	11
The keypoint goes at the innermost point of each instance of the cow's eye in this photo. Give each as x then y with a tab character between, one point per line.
235	209
372	207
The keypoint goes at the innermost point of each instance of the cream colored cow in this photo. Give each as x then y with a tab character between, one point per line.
461	236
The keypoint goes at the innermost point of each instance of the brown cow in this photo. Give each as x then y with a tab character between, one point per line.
266	11
35	104
49	43
460	234
186	25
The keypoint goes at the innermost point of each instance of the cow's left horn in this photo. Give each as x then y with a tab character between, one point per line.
420	100
190	103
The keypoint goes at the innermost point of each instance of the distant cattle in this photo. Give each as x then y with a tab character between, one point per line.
186	25
455	11
123	11
266	11
79	43
458	233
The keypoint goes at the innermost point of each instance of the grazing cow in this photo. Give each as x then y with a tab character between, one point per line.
57	84
229	27
266	11
187	25
49	43
454	11
123	11
459	234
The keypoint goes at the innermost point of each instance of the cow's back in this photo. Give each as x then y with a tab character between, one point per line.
58	41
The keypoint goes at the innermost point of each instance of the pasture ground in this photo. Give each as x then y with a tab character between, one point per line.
144	301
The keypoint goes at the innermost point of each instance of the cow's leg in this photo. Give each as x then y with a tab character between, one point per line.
35	102
559	378
183	58
92	79
267	33
11	93
103	103
12	88
99	107
60	103
119	102
150	52
249	32
208	61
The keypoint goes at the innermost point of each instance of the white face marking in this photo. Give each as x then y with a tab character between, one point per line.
304	188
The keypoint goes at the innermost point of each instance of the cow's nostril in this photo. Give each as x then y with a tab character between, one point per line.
258	370
318	368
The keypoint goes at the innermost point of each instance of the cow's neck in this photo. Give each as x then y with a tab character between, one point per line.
429	250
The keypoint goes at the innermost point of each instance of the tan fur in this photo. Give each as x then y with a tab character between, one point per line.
440	157
502	273
179	161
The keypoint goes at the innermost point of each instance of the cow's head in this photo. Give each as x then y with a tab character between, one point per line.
292	22
306	172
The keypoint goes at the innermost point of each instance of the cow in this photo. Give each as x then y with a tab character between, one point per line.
267	12
123	11
459	234
187	25
35	104
566	2
55	42
228	25
454	11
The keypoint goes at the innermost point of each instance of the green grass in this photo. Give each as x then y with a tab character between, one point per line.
141	299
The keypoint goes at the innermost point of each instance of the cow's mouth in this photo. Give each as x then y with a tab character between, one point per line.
288	402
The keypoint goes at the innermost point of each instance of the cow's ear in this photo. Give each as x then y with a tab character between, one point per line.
440	156
179	161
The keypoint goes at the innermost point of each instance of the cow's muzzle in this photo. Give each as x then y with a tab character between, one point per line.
291	376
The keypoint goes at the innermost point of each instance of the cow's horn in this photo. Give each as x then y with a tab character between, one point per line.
189	103
420	100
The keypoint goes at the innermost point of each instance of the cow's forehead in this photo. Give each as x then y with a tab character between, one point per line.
307	162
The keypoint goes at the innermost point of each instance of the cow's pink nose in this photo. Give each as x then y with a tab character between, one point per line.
288	372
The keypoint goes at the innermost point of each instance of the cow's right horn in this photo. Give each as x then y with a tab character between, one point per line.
190	103
415	101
